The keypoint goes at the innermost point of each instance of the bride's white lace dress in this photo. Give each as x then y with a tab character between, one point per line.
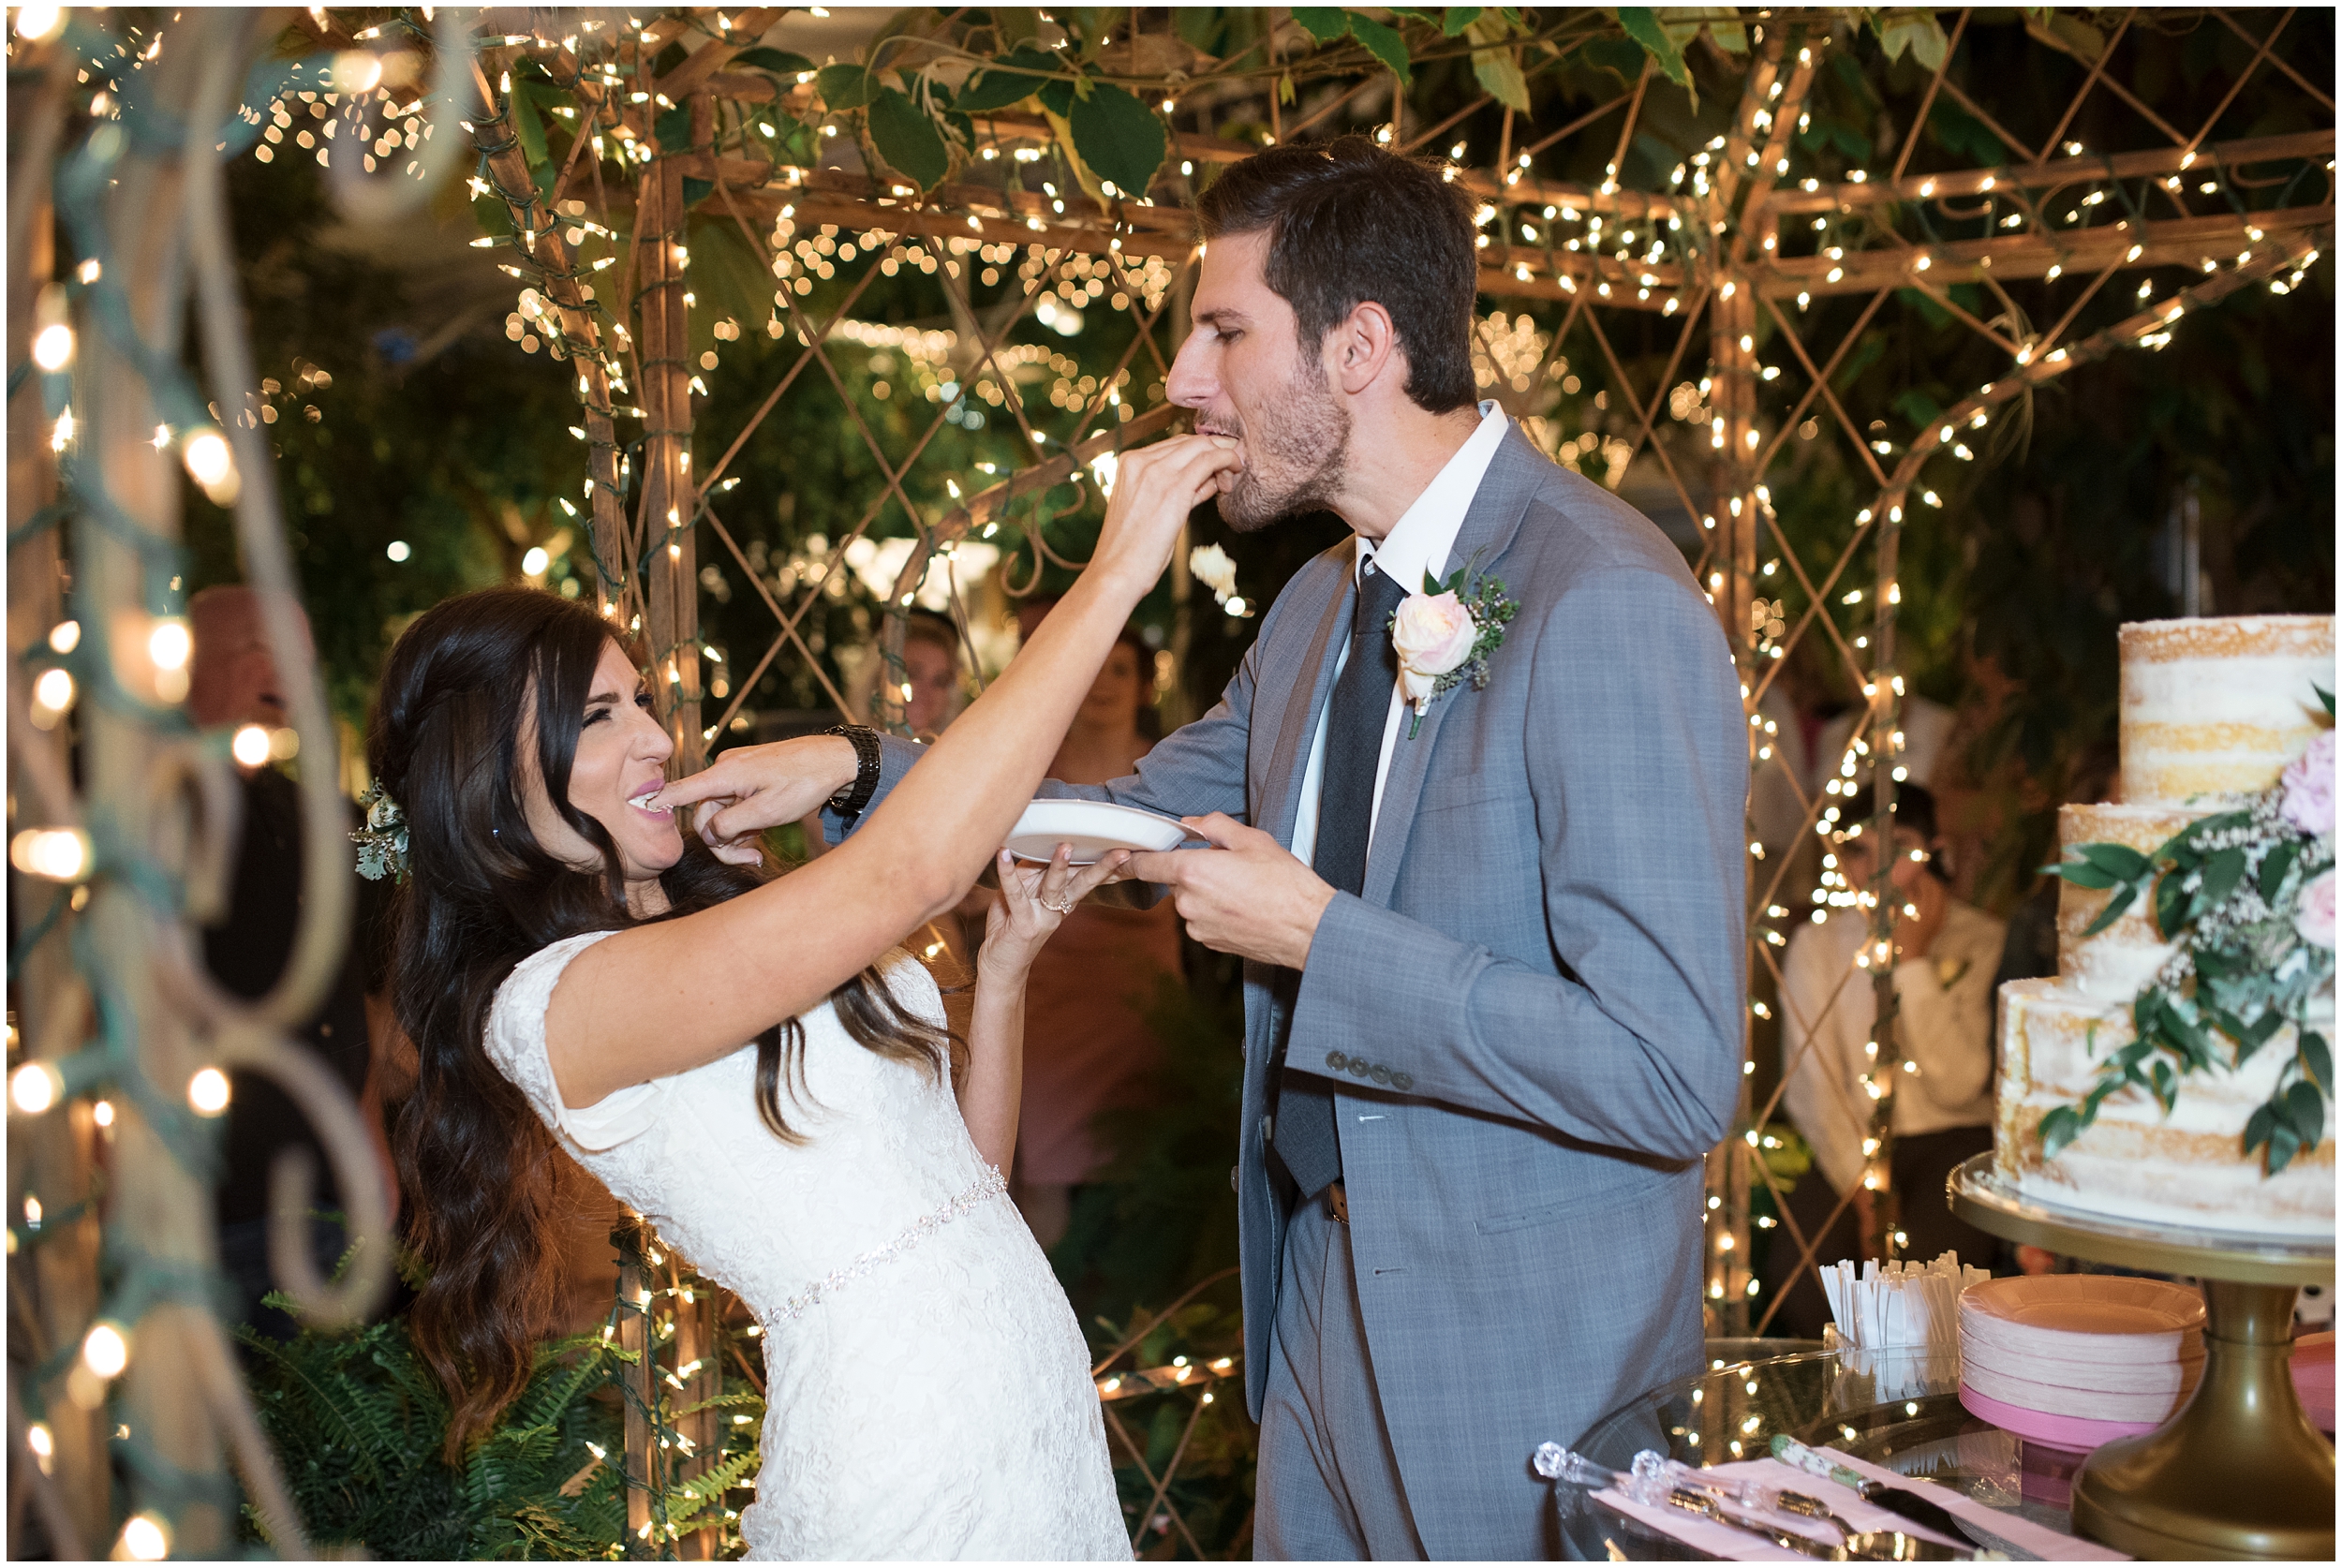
927	1389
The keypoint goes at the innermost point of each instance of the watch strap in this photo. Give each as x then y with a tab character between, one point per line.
848	802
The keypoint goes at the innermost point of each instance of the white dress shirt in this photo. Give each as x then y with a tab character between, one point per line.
1422	540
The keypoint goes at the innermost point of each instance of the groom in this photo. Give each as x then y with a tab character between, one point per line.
1493	946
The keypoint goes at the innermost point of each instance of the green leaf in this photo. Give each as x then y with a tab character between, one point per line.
1119	138
1057	97
1642	26
2257	1126
1499	74
2306	1108
779	60
1455	18
2272	869
908	140
1323	23
2125	864
846	86
2165	1085
527	126
996	88
1919	32
1385	44
2059	1127
2323	696
2257	1035
2083	874
2221	874
2114	911
2170	903
2283	1146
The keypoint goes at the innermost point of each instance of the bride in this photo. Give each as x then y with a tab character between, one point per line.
752	1064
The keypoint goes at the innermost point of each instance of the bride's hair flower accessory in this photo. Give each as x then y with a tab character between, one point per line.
382	842
1445	634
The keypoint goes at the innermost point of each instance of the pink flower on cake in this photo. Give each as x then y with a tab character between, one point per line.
2313	917
2309	795
1433	634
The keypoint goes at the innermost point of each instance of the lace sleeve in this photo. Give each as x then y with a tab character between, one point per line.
516	1043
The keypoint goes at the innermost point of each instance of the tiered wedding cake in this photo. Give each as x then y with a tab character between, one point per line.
2212	712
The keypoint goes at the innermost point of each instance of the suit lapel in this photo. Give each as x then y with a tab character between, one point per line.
1280	798
1497	508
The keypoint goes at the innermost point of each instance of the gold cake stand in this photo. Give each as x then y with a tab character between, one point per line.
2238	1470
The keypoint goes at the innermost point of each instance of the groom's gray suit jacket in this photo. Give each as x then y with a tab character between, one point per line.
1532	1013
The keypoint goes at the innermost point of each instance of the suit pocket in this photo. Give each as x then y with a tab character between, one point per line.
1634	1185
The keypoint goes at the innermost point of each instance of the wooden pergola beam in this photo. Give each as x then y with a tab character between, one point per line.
2089	168
2182	241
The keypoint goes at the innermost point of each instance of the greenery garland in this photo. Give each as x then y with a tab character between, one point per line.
2230	890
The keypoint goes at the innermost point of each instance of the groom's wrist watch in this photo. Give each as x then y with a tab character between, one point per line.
848	803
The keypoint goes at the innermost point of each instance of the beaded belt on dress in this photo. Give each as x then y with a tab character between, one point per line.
986	1187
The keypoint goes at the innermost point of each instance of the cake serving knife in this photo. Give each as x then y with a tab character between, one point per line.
1895	1500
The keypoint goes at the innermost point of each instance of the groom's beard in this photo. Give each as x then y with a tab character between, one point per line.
1295	453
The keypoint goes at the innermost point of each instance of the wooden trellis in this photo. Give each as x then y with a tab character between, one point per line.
1731	278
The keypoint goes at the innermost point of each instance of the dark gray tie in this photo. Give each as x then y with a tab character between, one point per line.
1355	717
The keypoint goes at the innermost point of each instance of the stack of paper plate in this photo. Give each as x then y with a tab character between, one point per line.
2075	1360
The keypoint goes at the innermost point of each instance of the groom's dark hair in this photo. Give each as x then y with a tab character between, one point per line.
1348	222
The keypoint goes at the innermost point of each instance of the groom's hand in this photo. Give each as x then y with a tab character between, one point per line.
1247	895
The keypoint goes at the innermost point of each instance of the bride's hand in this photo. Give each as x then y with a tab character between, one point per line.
1033	903
752	788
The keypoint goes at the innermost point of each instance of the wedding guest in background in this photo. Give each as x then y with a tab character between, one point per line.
932	670
1087	1047
233	681
1942	1102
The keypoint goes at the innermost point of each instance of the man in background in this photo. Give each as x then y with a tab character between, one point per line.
234	682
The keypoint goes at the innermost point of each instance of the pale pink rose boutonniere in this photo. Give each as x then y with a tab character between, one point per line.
1445	634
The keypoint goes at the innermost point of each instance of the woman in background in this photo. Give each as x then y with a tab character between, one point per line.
1087	1046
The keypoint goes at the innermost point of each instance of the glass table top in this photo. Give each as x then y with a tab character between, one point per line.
1899	1410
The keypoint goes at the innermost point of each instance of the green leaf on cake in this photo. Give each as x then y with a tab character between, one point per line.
2170	902
2165	1085
2060	1127
2082	873
2272	869
2306	1108
2317	1058
2257	1126
2221	874
2283	1146
2119	860
2126	896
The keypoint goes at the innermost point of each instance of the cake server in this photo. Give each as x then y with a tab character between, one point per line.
1895	1500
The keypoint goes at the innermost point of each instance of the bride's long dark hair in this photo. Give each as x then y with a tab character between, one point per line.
481	896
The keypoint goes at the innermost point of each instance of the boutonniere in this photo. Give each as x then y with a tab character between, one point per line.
1949	971
1444	635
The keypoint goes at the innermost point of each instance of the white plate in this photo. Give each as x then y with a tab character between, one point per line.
1095	828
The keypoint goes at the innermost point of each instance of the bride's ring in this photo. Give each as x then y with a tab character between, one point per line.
1064	909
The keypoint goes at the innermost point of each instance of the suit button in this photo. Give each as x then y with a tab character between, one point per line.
1232	1179
1357	1069
1400	1082
1380	1075
1336	1060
